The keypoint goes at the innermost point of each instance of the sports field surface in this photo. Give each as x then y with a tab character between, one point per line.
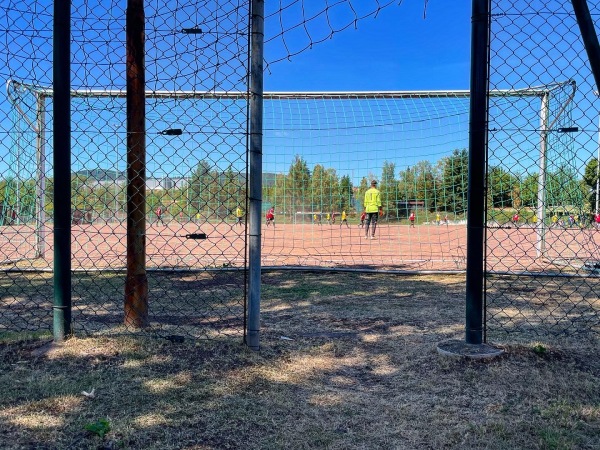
395	247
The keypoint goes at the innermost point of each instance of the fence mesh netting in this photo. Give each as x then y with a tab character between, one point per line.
195	164
196	130
543	230
321	152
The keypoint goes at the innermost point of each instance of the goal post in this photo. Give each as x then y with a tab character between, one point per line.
320	149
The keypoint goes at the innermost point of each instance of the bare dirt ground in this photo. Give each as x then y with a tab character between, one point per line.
348	361
396	247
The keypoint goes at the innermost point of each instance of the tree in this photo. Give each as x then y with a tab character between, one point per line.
389	189
233	190
362	188
407	191
529	190
563	189
332	186
455	181
425	185
590	179
501	185
346	194
318	190
199	188
516	197
299	183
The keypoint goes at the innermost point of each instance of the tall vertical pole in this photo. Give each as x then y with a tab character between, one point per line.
255	155
592	48
587	29
480	31
598	172
136	285
541	192
61	74
41	177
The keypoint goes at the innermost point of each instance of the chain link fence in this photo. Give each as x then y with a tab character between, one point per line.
195	166
190	226
543	227
542	237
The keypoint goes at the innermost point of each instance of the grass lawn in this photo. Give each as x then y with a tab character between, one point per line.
348	361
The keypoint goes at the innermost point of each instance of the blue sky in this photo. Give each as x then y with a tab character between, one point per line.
397	50
400	49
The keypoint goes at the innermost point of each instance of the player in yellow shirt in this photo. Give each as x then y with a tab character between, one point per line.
239	214
344	219
373	208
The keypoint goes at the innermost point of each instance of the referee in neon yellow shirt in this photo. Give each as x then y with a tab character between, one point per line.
373	208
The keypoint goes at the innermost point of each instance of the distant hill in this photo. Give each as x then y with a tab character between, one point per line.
268	179
100	175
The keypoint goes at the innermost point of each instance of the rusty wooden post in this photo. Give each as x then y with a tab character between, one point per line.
136	285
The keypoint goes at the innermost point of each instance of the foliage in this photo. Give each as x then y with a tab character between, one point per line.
435	187
346	194
389	189
590	181
101	427
501	187
454	181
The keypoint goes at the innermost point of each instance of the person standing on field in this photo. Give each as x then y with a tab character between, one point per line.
239	214
159	213
271	216
344	219
412	219
363	217
373	208
515	219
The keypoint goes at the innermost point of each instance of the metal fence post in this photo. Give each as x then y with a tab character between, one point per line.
541	194
41	176
255	157
480	32
61	71
589	36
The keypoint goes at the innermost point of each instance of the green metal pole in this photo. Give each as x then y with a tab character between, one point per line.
255	156
61	72
589	36
480	30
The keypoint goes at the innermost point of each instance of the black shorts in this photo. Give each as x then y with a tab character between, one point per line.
372	217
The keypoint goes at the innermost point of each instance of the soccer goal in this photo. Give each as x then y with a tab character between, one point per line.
321	150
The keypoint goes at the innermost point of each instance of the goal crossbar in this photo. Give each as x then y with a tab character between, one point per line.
539	91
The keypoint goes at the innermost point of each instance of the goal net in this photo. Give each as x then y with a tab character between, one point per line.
321	151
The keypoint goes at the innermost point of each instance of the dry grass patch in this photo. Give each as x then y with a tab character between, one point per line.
348	361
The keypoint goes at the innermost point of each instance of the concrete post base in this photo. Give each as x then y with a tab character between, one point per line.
457	348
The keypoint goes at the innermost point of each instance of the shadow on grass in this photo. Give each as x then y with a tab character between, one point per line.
192	304
347	361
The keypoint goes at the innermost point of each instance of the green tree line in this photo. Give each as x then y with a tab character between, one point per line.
439	186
